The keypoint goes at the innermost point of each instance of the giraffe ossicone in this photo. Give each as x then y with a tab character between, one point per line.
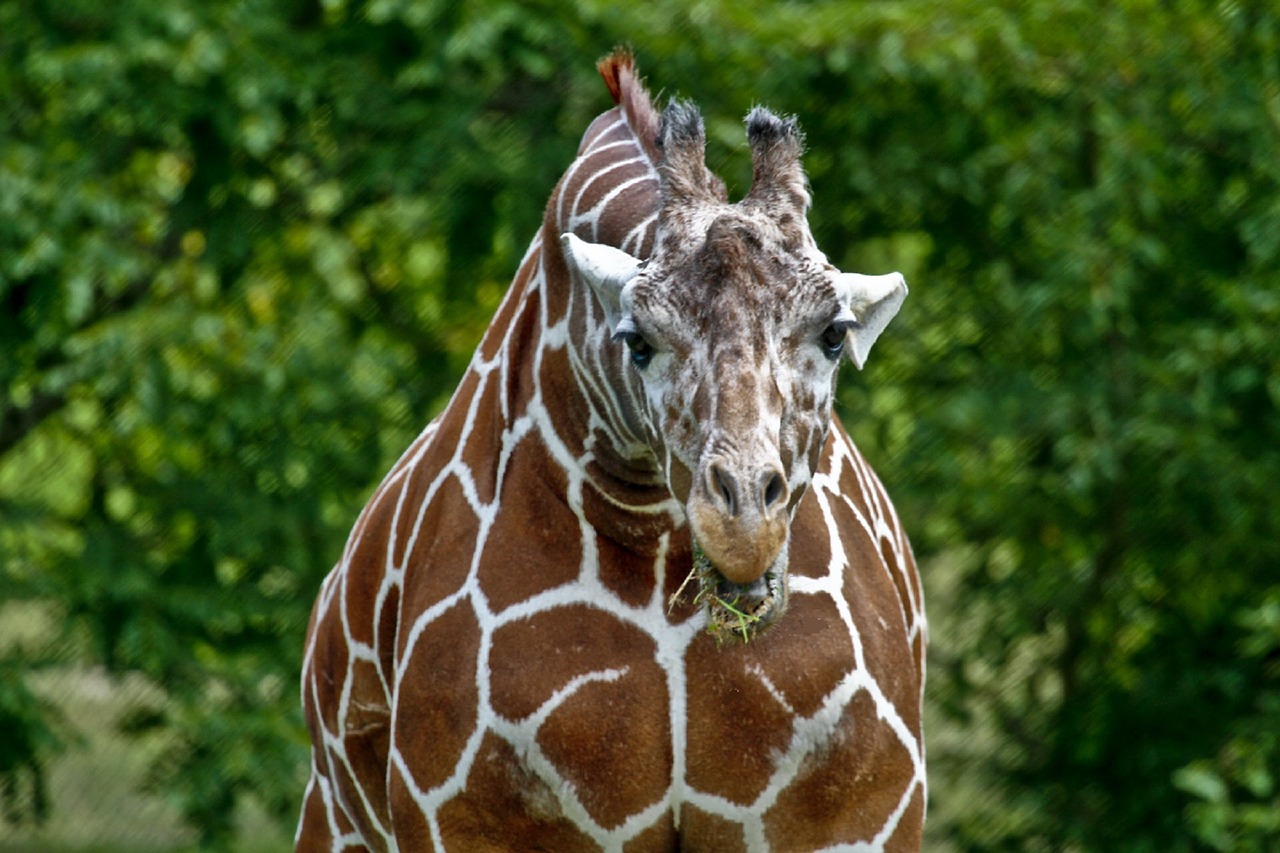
635	588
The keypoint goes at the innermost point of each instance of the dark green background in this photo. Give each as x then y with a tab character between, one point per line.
246	249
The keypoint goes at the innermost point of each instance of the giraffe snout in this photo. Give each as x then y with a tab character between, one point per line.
739	517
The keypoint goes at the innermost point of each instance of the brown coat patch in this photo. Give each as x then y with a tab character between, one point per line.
436	705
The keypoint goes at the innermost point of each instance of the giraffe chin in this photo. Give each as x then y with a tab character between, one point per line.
738	612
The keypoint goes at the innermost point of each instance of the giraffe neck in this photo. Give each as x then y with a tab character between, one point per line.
564	375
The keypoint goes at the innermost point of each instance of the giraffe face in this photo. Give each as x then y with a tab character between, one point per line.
728	333
734	328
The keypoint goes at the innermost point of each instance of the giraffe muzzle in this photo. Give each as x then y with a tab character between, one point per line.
740	523
740	518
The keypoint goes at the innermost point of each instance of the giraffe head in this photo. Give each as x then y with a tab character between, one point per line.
734	328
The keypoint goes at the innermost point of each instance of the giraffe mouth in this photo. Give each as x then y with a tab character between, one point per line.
737	612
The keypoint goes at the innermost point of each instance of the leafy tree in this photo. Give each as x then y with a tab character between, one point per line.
1086	416
246	248
229	306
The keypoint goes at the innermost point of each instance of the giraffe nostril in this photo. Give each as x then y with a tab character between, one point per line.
723	487
725	490
775	487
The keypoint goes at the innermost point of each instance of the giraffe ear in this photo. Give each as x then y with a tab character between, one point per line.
603	267
872	300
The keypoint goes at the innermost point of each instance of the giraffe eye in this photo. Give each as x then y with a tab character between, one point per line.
832	340
641	350
834	335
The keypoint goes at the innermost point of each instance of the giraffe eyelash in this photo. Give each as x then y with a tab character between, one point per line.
641	349
626	328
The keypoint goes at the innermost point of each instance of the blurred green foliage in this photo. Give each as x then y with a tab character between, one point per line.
246	249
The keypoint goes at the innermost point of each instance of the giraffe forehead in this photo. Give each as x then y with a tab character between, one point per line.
741	272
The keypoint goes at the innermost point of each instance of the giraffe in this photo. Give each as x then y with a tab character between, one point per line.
634	589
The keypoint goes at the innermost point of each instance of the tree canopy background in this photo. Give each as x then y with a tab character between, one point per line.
247	247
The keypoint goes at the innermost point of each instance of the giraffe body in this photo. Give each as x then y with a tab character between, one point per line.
509	654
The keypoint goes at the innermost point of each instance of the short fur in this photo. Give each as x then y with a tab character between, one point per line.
504	656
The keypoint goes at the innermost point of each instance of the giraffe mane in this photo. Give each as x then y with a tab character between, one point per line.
619	72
